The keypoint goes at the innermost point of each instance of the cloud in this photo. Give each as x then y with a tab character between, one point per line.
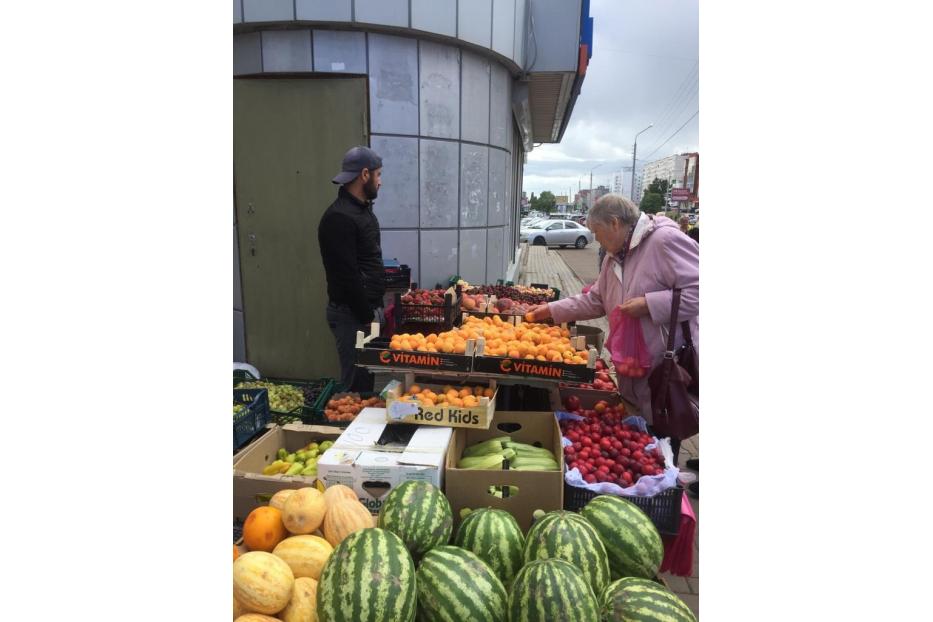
644	70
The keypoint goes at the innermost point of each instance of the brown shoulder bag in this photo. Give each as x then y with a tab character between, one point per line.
674	411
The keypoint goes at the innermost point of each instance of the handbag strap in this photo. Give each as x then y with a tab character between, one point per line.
685	327
672	330
667	364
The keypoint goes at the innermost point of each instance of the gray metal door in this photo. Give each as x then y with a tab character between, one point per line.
289	136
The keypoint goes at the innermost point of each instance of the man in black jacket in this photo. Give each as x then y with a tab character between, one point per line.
352	253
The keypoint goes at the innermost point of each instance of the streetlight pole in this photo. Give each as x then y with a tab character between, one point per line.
590	197
634	151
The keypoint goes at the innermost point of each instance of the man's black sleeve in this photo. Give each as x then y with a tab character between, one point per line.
337	237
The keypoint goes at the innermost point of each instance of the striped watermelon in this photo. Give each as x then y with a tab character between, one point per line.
496	538
567	536
640	600
370	577
454	584
632	541
419	514
552	590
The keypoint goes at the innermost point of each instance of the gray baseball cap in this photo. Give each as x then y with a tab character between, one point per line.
354	161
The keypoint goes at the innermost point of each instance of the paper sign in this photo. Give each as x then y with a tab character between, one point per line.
400	410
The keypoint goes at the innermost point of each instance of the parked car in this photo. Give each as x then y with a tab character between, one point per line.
554	232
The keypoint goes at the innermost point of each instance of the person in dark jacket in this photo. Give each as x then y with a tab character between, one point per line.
351	249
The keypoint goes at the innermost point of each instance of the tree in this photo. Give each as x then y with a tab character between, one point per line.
652	203
659	186
545	202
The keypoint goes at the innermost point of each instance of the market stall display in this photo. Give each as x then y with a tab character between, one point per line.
427	308
292	401
344	407
490	571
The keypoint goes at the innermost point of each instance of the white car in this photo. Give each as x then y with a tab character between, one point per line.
560	233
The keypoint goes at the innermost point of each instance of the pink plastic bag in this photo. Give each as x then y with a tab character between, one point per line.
627	347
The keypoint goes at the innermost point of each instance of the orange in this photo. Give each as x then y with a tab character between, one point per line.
488	392
263	529
456	401
478	391
427	402
464	392
452	394
414	389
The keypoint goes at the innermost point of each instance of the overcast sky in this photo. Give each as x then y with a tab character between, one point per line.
644	70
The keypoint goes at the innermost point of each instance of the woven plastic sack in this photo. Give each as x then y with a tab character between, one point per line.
627	347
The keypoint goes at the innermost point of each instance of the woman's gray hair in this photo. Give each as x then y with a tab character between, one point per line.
611	207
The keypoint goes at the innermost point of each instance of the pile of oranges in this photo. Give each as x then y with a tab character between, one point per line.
450	342
541	342
464	397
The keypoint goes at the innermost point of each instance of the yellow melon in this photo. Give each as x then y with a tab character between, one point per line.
338	491
304	511
304	555
343	518
278	499
303	605
262	582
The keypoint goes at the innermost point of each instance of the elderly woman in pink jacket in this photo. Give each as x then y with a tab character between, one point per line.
647	257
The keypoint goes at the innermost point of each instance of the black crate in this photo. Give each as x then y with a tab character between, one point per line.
525	368
377	353
434	317
663	509
253	419
321	419
397	276
316	394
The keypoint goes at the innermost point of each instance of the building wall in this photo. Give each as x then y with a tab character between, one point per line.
441	118
670	168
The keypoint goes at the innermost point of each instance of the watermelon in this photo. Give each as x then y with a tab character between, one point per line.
631	539
566	535
496	538
640	600
552	590
370	577
419	514
455	584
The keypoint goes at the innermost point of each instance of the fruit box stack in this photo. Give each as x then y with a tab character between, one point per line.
455	415
536	490
372	457
251	488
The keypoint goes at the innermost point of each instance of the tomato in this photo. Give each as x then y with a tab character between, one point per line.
586	441
627	477
589	478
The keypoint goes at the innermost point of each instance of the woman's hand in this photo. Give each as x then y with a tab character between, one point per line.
536	314
636	307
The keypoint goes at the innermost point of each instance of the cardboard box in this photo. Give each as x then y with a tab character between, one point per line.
455	417
251	488
373	457
544	490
